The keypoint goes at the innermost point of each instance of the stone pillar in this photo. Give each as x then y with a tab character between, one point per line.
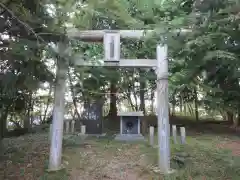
139	126
55	156
121	126
174	133
72	126
151	135
83	129
183	135
67	122
162	110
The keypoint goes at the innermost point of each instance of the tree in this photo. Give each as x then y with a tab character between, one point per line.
22	67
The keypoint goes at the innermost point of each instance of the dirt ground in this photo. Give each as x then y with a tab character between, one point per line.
233	146
26	158
119	162
88	161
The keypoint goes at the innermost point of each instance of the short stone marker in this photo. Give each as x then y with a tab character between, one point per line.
73	126
183	135
83	129
151	135
174	134
67	126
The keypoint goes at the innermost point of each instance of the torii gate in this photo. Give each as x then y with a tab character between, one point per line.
111	40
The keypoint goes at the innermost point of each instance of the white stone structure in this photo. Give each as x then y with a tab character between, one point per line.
130	126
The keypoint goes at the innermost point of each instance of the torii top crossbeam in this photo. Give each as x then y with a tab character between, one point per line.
97	35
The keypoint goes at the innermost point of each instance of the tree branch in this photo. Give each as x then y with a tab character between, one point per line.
27	27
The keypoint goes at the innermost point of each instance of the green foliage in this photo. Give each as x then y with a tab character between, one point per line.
206	58
22	63
211	48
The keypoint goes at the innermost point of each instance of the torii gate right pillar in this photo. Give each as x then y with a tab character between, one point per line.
162	109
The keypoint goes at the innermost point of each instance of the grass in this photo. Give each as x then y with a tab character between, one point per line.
204	160
26	158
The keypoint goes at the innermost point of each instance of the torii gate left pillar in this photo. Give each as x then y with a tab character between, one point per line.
161	68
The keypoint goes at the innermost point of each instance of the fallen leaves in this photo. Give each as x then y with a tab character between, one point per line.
25	156
93	159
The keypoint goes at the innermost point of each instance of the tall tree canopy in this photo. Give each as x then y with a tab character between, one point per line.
203	64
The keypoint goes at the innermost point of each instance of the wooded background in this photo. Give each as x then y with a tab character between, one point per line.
203	65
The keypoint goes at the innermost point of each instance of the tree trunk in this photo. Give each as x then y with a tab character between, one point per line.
196	104
173	109
152	101
32	117
1	146
1	129
113	100
74	98
238	118
3	121
142	100
136	100
27	123
173	105
181	104
185	109
142	94
1	138
235	120
223	114
128	96
230	117
190	109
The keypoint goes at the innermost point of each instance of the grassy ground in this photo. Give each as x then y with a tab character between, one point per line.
203	157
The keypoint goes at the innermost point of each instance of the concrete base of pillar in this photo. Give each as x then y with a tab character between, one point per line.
129	137
56	169
157	170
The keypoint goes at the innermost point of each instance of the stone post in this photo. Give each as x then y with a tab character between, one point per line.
55	156
73	126
151	135
183	135
174	134
83	129
162	110
67	122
